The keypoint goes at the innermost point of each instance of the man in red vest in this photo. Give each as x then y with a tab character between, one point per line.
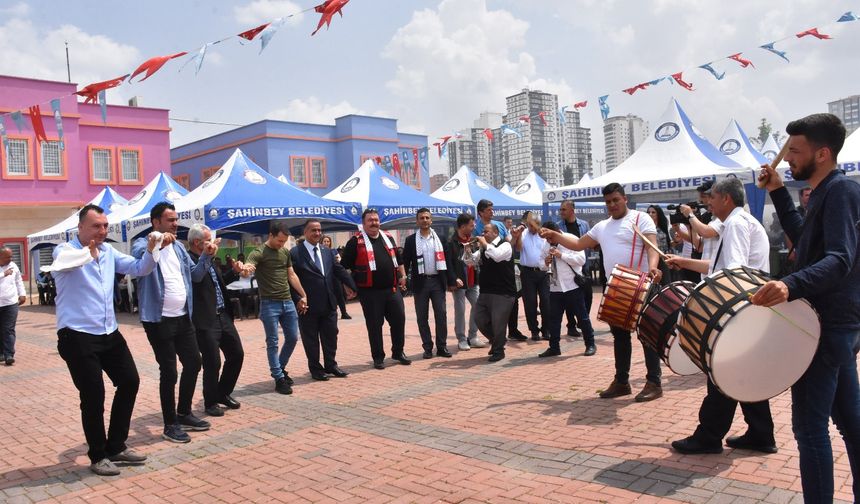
378	271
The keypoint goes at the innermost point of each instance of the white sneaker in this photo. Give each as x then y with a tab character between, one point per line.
105	467
477	343
463	345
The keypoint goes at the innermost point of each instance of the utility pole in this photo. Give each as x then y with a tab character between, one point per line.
68	67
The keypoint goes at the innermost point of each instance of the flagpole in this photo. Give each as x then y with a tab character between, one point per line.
68	67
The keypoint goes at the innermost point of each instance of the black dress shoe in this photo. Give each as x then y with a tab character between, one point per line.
747	442
346	316
337	372
550	352
230	402
535	336
590	350
443	353
378	364
319	376
691	445
401	358
214	410
517	337
428	354
496	357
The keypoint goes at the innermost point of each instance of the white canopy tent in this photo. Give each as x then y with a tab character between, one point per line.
675	157
530	189
506	189
466	188
108	199
737	146
849	157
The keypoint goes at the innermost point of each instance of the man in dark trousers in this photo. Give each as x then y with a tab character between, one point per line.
213	322
827	274
498	288
320	275
570	223
166	308
379	274
424	257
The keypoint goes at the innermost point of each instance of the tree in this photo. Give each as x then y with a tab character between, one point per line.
765	129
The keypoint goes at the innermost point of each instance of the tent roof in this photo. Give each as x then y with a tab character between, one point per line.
770	149
107	198
395	201
244	197
134	218
531	189
736	145
466	188
851	150
676	156
506	189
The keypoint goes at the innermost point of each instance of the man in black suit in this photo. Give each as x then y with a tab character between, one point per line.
424	257
213	323
317	268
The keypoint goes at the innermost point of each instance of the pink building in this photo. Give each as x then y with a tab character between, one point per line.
41	184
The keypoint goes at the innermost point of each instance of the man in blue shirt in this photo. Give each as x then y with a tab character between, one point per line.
570	223
485	216
166	308
827	274
89	339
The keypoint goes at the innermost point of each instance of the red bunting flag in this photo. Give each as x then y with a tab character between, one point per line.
395	163
489	133
635	88
378	160
328	9
814	32
38	126
525	119
253	32
744	62
542	118
438	146
582	104
153	65
679	78
91	91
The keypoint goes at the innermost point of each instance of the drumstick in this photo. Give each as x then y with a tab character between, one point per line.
749	295
761	182
649	243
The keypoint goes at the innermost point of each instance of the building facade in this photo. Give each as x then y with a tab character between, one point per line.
537	147
847	109
316	157
622	136
575	142
42	183
437	181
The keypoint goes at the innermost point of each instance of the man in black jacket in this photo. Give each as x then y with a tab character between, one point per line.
317	270
424	257
828	276
463	283
213	323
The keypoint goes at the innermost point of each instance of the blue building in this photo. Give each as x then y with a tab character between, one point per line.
313	156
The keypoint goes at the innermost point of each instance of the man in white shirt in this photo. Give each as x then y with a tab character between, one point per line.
566	296
743	242
12	294
621	245
498	288
535	284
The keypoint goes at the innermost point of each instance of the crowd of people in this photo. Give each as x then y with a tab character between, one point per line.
491	264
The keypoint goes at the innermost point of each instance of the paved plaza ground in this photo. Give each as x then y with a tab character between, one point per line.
441	430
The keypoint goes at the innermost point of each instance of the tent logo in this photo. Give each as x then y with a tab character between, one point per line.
197	214
451	185
480	183
730	146
387	182
215	176
523	188
213	213
550	196
171	195
770	155
139	196
254	177
350	184
666	132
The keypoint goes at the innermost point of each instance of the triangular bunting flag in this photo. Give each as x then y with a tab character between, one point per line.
604	107
328	9
153	65
769	47
709	68
58	119
38	125
744	62
679	78
814	33
91	91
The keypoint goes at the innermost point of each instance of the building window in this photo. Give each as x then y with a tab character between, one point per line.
51	165
130	171
18	162
319	178
101	165
208	172
298	171
18	257
184	180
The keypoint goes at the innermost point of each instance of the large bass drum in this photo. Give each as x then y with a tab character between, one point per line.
625	295
657	323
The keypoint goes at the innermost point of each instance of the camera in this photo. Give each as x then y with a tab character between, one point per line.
700	209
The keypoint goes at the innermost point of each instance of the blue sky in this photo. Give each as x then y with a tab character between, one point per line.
436	64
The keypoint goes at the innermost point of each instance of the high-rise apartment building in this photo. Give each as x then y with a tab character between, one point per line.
534	115
847	109
622	136
575	142
437	181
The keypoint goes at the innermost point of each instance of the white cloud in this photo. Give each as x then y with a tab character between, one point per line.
20	9
313	111
262	11
36	52
623	36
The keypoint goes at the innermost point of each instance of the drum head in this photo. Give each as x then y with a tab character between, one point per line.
678	360
761	352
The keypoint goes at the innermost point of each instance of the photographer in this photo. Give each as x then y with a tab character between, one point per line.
690	223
